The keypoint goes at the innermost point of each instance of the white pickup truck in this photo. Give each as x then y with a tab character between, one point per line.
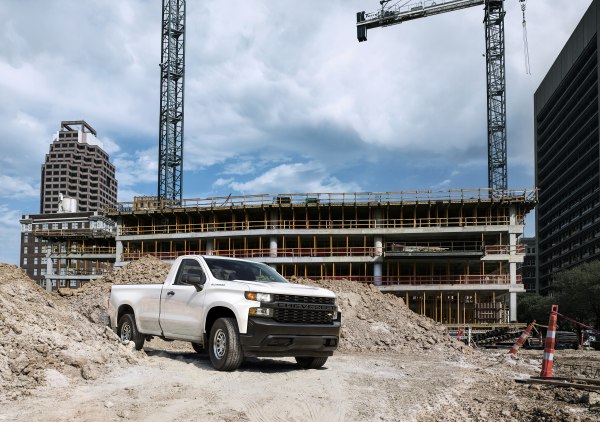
232	307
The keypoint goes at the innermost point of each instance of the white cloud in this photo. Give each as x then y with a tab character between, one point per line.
17	187
294	178
137	167
10	230
222	182
443	184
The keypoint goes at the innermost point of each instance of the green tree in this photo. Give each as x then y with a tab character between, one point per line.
577	292
532	307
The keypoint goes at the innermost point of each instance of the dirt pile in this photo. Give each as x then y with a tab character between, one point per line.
43	341
92	299
376	322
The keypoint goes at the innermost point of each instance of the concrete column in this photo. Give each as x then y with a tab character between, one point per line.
49	271
378	244
273	246
377	270
119	253
210	246
273	239
512	309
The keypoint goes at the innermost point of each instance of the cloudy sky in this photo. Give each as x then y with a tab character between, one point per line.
280	96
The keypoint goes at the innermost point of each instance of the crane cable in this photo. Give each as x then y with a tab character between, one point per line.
525	43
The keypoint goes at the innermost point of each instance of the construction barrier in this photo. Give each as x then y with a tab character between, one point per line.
548	361
521	340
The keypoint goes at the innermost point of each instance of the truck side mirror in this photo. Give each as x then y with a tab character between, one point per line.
195	280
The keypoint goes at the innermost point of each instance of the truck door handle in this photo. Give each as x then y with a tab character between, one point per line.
171	293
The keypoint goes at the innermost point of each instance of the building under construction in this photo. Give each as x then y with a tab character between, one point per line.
452	256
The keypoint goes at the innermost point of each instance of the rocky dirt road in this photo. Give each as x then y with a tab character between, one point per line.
60	362
179	385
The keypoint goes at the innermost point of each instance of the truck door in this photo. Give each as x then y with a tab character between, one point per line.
181	304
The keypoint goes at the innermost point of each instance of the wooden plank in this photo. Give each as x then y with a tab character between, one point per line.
551	381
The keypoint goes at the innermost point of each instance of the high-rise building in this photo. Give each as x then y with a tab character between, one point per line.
70	241
78	168
567	155
528	266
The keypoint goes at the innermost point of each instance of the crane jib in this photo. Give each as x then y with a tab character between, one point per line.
495	66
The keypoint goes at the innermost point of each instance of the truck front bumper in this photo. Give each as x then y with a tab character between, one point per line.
266	337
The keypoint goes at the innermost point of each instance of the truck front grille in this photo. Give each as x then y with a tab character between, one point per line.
303	316
304	299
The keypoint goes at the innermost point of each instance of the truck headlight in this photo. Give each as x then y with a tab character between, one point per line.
262	312
259	297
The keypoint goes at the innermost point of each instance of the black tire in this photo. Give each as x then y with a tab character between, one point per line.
224	345
198	348
127	331
310	362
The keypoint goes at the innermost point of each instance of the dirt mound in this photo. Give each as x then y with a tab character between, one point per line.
43	341
92	299
376	322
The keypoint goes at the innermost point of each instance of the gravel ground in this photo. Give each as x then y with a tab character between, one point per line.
393	365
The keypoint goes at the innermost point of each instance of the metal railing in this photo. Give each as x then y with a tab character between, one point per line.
315	199
262	253
428	280
312	225
505	249
433	247
73	232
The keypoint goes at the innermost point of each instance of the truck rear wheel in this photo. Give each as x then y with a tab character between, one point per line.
127	331
224	345
310	362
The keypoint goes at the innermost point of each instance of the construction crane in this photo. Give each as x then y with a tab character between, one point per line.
495	65
172	71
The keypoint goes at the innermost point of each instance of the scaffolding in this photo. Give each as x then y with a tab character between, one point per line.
462	242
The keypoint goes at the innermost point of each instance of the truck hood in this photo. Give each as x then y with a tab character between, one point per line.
287	289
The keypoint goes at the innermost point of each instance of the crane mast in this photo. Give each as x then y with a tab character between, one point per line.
172	70
495	65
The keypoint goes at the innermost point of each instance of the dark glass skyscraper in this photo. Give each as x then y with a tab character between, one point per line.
567	148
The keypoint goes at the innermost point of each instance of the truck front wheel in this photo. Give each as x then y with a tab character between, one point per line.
310	362
127	331
224	345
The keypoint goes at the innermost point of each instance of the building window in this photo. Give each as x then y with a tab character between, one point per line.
35	261
35	271
25	262
54	226
73	283
36	249
43	271
26	238
63	283
75	225
24	249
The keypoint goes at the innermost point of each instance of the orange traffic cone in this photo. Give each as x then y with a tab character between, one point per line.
548	361
521	340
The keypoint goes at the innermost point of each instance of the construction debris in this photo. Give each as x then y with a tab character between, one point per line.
43	340
376	322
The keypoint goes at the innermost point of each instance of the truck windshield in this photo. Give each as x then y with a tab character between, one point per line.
230	269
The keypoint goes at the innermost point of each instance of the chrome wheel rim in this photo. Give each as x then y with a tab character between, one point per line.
219	343
125	333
